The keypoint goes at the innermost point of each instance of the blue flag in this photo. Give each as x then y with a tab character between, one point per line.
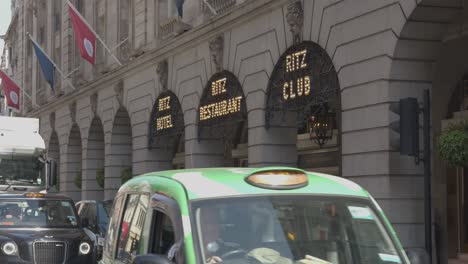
47	66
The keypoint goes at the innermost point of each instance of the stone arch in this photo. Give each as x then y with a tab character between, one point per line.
93	163
119	153
53	152
70	180
222	121
303	90
428	55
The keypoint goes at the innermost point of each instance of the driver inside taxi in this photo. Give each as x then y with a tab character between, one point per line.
210	230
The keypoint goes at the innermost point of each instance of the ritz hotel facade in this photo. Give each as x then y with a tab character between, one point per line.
303	83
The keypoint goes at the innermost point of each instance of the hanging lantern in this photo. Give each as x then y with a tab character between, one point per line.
321	126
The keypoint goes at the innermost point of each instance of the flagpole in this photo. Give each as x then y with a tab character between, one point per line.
30	98
94	32
53	63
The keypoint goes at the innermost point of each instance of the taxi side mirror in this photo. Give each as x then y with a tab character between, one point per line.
52	172
418	256
151	259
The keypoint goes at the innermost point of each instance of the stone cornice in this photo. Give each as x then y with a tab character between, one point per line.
203	33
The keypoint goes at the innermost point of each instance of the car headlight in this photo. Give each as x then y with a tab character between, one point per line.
10	248
84	248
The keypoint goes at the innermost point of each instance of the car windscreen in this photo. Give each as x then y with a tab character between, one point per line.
292	228
21	170
37	213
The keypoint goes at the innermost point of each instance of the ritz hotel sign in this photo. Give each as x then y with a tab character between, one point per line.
164	122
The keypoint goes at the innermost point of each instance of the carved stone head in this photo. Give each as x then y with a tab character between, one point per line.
118	89
295	20
162	71
94	102
72	108
217	51
52	120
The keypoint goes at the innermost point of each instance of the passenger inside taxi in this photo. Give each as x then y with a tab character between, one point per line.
12	214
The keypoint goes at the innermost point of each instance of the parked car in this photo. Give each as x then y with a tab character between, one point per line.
94	216
41	228
247	215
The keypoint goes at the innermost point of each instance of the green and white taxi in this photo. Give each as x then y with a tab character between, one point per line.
248	215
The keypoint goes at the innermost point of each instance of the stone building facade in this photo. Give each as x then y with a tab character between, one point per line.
379	51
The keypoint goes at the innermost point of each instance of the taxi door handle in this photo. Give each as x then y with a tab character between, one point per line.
20	188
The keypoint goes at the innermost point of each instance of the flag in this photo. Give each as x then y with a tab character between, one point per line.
84	36
11	91
46	63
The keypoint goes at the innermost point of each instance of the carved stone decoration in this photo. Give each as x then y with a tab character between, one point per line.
162	71
52	120
295	19
94	102
72	108
31	6
217	51
118	89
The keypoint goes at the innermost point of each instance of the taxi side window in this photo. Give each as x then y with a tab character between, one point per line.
163	234
83	212
131	227
166	235
91	215
78	208
112	231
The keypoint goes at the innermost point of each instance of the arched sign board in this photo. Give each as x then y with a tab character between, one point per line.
167	122
222	107
303	79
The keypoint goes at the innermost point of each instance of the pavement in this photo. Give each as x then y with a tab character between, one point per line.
462	259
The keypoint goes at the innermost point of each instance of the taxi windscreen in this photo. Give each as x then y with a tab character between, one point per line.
37	214
290	229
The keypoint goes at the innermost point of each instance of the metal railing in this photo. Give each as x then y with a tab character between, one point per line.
171	27
216	7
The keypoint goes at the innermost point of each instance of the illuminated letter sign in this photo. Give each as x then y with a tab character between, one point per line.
166	119
303	76
298	85
222	101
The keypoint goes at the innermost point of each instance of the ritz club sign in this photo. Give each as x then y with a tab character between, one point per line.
303	76
222	102
297	86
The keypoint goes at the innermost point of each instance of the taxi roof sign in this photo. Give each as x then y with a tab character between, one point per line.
279	179
34	195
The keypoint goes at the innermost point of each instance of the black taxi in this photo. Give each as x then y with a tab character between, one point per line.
41	228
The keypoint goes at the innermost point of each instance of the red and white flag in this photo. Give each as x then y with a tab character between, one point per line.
12	91
84	35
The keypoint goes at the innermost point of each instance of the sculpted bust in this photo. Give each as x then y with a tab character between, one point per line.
162	71
295	20
217	50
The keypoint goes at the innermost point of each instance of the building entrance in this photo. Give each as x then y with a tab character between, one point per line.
457	178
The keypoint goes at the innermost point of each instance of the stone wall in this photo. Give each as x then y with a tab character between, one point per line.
380	53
